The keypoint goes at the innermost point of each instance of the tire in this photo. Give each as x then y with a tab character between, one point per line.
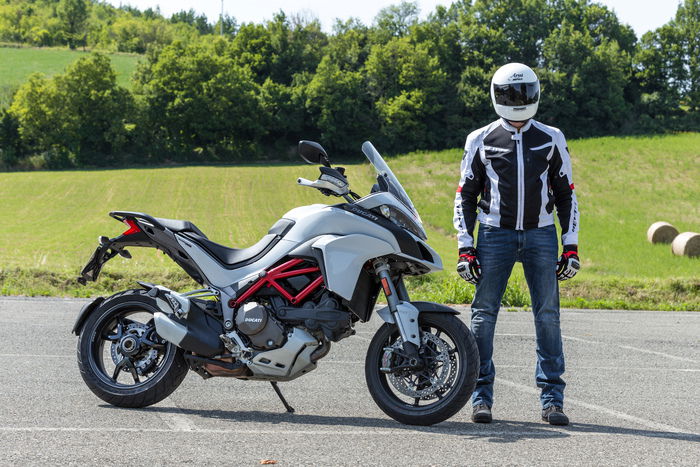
162	364
454	395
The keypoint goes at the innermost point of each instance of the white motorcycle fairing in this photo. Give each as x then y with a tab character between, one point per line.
347	241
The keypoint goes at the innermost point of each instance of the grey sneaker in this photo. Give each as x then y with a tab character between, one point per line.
555	415
481	414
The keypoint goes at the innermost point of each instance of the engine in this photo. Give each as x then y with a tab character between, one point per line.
258	323
265	325
324	317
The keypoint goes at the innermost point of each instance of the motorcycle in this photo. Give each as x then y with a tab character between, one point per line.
271	311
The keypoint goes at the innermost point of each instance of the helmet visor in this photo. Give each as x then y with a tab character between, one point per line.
516	94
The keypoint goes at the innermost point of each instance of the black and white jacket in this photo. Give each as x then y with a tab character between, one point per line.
515	178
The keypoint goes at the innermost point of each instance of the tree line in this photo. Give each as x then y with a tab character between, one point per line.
250	93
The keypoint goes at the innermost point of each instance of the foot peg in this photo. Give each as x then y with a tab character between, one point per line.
289	408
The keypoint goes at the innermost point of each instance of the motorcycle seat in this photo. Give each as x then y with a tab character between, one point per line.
233	258
180	226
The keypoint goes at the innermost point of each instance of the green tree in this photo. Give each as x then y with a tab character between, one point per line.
583	88
406	83
200	102
395	20
279	49
659	63
349	45
11	150
73	15
340	107
199	22
83	112
687	23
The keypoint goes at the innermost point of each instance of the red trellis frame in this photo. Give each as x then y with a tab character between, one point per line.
281	272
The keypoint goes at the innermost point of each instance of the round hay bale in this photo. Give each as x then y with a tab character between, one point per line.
687	243
661	232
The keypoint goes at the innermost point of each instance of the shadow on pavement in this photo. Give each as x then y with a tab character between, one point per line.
500	431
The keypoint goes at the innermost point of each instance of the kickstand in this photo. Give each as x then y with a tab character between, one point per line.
289	408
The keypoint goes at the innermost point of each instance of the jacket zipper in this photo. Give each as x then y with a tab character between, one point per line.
521	181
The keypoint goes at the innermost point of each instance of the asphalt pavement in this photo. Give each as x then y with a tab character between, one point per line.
633	396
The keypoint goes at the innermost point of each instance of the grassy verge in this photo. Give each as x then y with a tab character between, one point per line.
50	220
616	294
20	62
610	294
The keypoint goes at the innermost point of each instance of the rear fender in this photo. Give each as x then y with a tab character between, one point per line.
107	249
87	309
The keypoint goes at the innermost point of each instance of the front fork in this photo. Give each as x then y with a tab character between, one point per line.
400	311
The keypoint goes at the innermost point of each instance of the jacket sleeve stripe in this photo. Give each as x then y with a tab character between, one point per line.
564	196
470	185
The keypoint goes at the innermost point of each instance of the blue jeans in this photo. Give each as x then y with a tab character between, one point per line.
498	249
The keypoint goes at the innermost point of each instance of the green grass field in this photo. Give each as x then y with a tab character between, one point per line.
51	220
17	63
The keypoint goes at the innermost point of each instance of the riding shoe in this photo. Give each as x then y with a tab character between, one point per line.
481	414
555	415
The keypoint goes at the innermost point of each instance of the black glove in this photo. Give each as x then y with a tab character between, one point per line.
468	266
568	264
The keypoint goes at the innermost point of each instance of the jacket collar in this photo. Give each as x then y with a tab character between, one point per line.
512	129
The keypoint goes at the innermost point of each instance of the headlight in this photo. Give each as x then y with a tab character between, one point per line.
403	221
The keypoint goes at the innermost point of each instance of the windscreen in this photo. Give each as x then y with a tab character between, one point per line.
386	179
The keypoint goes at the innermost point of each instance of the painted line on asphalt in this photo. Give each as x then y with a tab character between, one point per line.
177	420
653	352
627	347
480	432
27	355
613	368
598	408
585	341
510	334
532	336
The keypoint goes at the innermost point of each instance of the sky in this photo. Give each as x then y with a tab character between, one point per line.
642	15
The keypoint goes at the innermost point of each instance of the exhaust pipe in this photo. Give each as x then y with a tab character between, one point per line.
168	329
198	334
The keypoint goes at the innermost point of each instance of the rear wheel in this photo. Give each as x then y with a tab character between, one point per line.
121	357
438	390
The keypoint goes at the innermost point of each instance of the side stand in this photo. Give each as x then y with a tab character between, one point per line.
289	408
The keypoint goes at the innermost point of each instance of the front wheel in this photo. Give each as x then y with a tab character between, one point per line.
121	357
443	384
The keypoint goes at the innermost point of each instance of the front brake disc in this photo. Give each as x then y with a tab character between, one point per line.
428	383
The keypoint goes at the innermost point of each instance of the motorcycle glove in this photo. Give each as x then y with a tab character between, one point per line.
569	263
468	266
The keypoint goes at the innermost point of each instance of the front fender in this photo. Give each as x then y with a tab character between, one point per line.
84	313
422	307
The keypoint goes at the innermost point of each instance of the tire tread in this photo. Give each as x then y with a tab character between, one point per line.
171	379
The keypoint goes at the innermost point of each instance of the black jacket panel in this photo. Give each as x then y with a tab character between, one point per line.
513	179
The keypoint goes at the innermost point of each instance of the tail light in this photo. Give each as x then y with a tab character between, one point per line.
133	228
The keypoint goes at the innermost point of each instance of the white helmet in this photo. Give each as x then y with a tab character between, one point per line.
515	92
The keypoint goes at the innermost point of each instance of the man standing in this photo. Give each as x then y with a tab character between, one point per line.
515	171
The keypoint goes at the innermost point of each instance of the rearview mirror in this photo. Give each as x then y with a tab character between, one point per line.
313	153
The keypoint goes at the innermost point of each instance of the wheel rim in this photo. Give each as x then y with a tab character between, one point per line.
126	352
431	385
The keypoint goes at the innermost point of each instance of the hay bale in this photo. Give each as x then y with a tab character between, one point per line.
687	243
661	232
